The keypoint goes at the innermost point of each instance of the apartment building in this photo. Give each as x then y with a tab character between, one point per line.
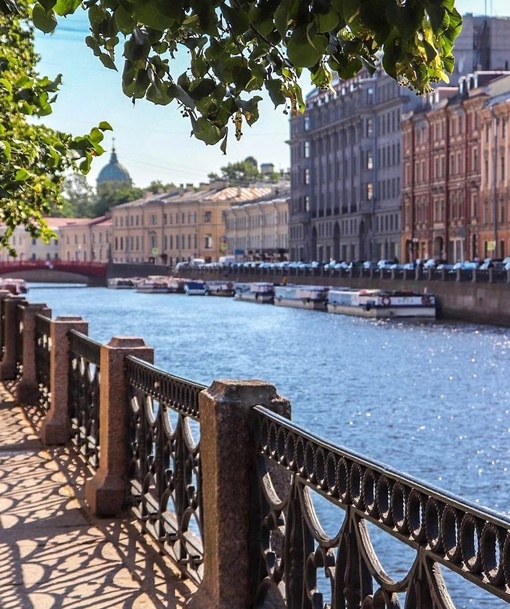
444	215
346	170
258	230
346	165
177	226
493	204
86	239
31	248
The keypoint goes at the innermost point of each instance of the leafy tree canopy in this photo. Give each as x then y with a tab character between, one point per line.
237	48
33	158
241	172
110	194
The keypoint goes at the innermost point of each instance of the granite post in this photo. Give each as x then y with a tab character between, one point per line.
27	390
106	491
227	449
55	428
10	334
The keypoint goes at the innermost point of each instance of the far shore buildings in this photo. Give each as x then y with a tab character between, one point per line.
259	230
347	164
86	239
178	226
456	165
30	248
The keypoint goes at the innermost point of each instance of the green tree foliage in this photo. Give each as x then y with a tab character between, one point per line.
33	158
157	186
78	197
237	48
241	172
110	195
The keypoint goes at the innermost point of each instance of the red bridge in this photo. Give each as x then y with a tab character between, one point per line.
56	271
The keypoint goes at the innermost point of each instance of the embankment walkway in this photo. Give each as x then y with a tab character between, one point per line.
53	554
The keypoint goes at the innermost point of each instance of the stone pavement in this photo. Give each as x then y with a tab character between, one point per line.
53	553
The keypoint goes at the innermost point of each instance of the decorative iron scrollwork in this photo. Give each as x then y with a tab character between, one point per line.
442	529
164	471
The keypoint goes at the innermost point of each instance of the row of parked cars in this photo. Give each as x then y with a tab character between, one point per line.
333	265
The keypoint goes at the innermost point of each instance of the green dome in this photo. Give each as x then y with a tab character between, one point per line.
114	172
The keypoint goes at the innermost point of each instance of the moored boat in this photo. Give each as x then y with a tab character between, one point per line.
14	286
258	291
195	287
302	296
121	283
176	285
220	288
153	285
382	304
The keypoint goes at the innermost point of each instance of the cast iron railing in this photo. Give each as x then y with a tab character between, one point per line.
42	360
84	383
164	462
296	551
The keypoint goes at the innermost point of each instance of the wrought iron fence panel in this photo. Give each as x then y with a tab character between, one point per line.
84	386
42	360
164	471
301	566
19	341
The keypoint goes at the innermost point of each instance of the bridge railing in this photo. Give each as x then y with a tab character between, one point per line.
230	488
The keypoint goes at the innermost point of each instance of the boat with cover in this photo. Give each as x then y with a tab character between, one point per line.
258	291
195	287
153	285
302	296
382	304
14	286
220	288
121	283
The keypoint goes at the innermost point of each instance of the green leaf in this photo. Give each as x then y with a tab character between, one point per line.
275	90
304	51
327	22
206	131
66	7
107	61
124	20
22	175
47	5
46	22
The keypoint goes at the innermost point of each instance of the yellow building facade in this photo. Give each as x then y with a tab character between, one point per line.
86	240
258	230
177	226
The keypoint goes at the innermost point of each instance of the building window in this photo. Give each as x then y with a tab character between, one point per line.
208	242
207	216
306	149
306	176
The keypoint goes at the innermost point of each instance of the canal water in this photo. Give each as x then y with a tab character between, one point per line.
430	399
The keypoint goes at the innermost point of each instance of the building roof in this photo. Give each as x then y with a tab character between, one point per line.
114	172
233	195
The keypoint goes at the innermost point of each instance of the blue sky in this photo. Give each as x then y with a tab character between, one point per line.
153	142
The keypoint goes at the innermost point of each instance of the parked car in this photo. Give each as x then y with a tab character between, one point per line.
430	264
465	265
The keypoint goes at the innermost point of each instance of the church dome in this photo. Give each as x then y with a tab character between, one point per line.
114	172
